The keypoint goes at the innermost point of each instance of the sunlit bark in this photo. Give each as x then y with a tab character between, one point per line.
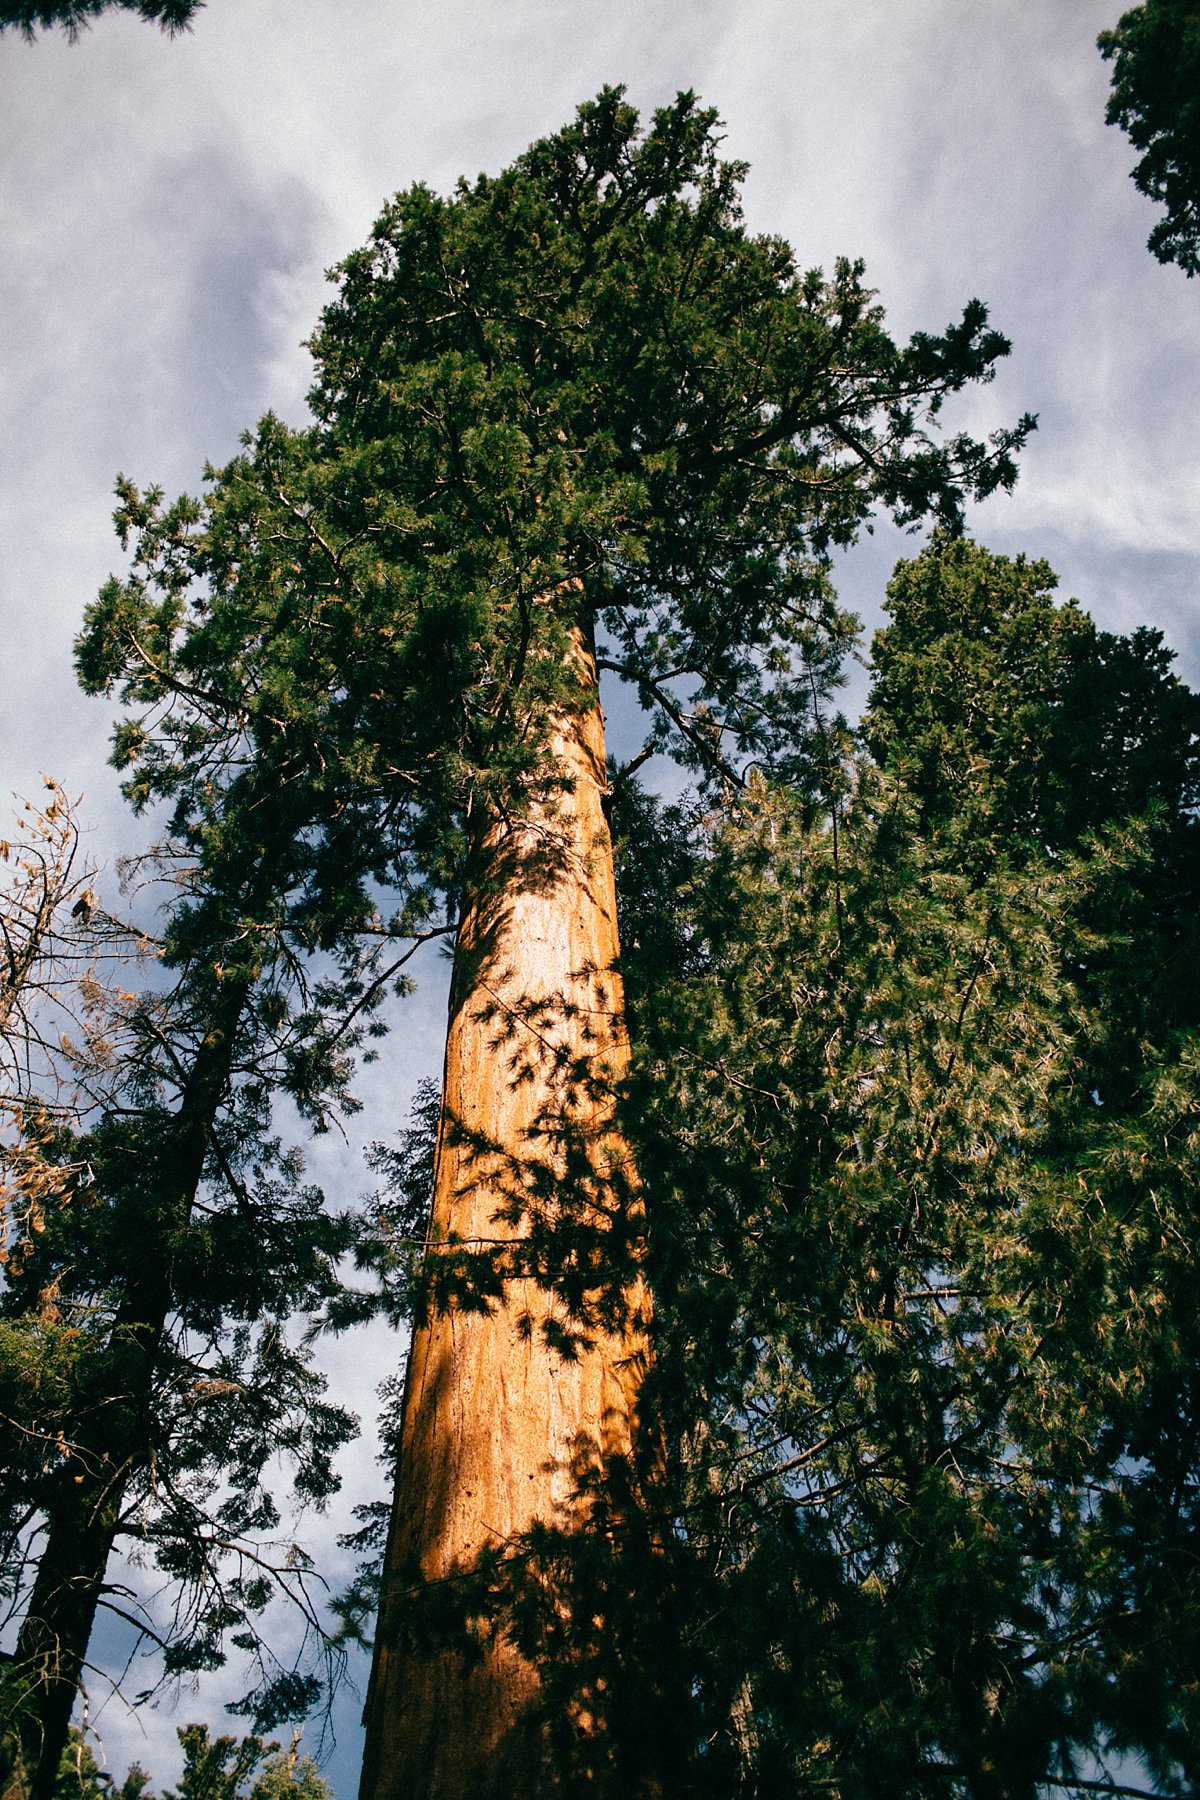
502	1430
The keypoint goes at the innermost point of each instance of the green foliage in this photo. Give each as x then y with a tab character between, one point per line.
1024	733
578	395
182	1232
41	1359
226	1768
1155	52
222	1768
584	379
30	16
1017	725
577	403
392	1231
81	1778
923	1238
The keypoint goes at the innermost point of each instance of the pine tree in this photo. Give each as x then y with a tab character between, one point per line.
74	16
222	1768
1155	52
182	1237
916	1099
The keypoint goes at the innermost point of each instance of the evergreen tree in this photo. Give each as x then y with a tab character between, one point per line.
923	1244
587	423
904	1501
222	1768
30	16
182	1239
225	1769
573	419
1155	52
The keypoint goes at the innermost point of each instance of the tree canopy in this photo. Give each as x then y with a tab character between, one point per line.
1155	52
162	1227
74	16
922	1143
585	377
914	1009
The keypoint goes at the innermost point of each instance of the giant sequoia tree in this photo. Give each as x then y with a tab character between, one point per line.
572	420
585	422
857	1450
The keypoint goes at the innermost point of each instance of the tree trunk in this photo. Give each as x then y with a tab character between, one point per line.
108	1450
43	1679
510	1422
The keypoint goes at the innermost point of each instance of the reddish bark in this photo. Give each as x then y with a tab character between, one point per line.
501	1432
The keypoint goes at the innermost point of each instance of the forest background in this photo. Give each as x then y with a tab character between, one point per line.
168	208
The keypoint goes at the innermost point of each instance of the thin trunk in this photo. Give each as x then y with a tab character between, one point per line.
108	1451
502	1432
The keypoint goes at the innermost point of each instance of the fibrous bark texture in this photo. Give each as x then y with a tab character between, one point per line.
521	1402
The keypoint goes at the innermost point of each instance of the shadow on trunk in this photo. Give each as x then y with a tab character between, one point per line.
520	1645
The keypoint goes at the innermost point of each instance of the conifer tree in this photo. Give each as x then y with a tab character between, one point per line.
591	424
572	420
181	1237
918	1109
222	1768
74	16
1155	52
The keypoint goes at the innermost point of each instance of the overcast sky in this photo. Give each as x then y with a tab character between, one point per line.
167	210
